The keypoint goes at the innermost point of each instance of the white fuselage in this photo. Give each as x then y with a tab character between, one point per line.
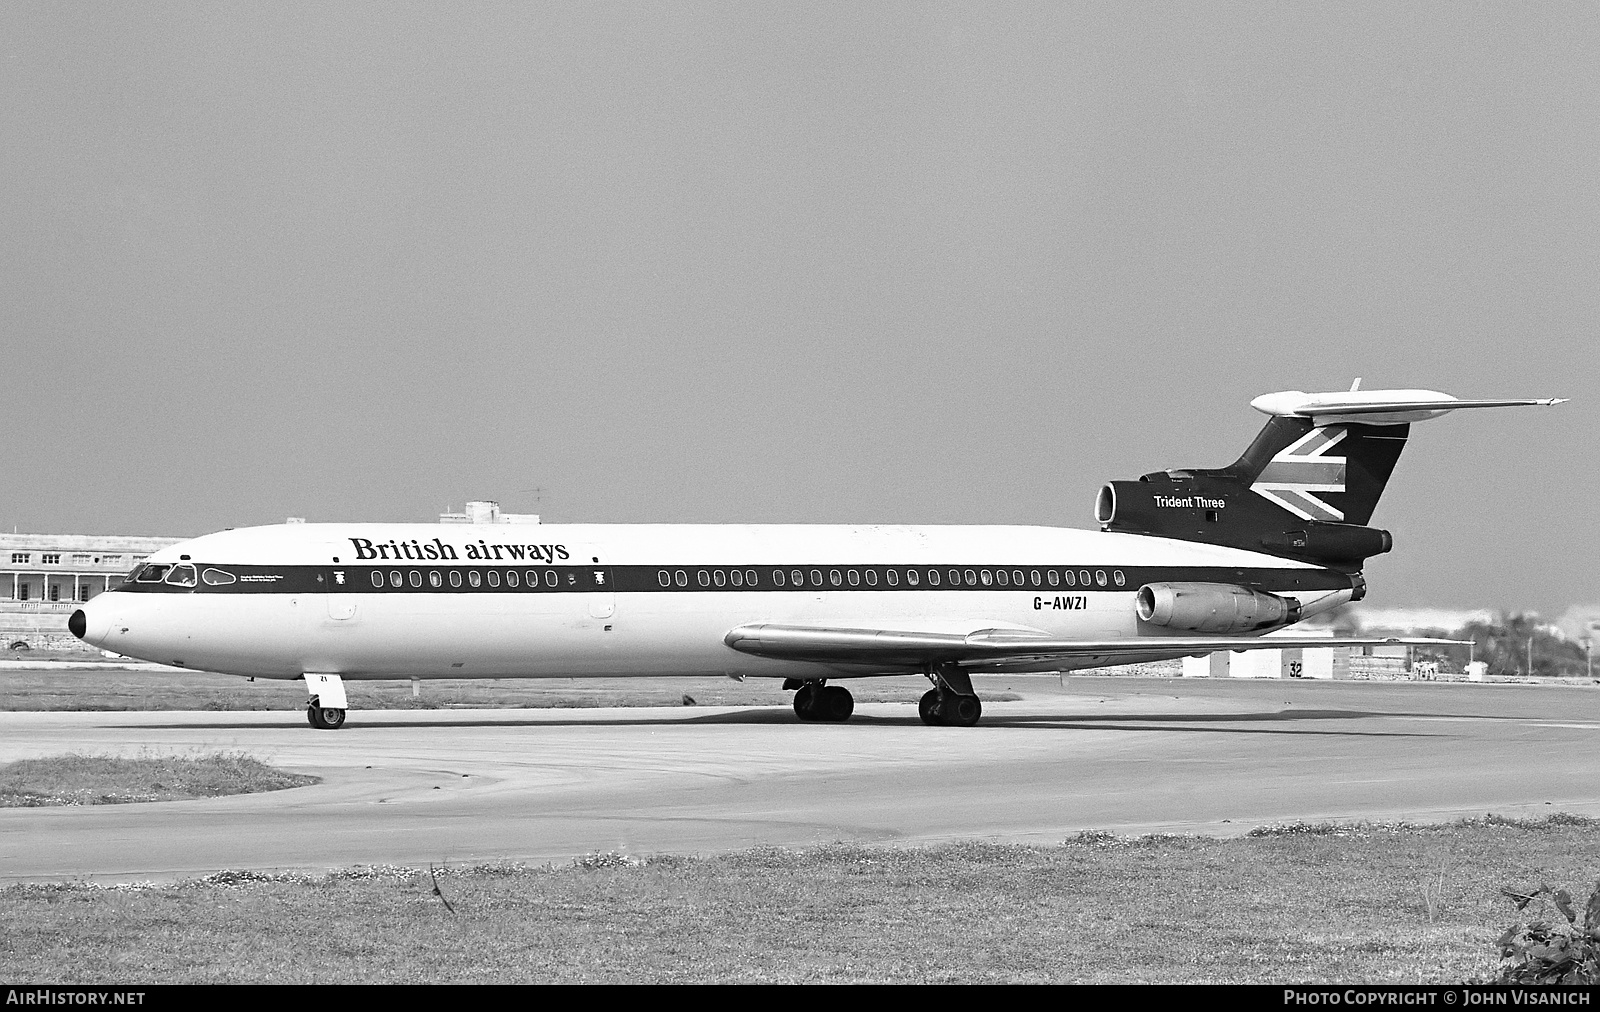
281	601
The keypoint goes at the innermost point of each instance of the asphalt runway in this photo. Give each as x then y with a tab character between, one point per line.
1117	754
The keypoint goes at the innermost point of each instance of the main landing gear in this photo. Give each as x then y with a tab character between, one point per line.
951	702
817	701
325	709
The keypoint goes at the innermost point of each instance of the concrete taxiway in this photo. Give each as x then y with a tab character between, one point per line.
1123	755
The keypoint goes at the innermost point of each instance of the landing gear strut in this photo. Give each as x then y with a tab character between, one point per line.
816	701
951	702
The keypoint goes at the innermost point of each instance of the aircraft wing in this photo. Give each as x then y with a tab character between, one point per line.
902	648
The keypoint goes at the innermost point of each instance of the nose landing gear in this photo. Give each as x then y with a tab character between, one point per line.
326	707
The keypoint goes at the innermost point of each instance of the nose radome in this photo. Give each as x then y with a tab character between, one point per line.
78	623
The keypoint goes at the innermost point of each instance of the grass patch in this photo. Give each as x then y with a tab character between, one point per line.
1389	904
75	779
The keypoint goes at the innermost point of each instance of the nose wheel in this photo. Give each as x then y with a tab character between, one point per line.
326	718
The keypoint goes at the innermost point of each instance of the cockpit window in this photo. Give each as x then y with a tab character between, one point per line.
182	576
150	573
218	578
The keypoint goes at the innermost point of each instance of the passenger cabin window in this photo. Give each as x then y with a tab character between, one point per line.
854	578
395	579
736	578
455	577
872	577
511	578
416	578
182	576
377	577
474	578
664	578
892	578
551	579
494	577
749	578
719	577
777	577
1051	576
435	578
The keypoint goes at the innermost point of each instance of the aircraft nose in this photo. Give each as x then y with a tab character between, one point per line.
91	623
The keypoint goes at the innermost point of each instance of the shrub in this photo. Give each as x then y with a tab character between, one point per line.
1553	950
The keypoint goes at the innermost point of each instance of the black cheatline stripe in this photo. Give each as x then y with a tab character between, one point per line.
454	579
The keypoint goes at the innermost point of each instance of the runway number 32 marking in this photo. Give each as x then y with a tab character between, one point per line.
1072	602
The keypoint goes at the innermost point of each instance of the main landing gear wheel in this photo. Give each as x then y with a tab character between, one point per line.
951	702
960	711
835	704
828	703
325	717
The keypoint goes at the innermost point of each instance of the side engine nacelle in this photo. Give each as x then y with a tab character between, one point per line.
1213	607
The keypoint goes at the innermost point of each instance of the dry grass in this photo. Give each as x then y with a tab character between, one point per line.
111	780
1304	903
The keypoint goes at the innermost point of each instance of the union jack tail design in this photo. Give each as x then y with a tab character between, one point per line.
1297	473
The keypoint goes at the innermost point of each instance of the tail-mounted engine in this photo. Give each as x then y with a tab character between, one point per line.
1196	507
1213	607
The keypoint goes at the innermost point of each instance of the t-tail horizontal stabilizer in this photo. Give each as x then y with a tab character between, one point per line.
1379	407
1306	486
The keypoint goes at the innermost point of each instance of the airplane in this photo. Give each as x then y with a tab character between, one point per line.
1185	562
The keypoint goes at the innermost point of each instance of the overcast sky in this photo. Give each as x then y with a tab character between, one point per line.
917	263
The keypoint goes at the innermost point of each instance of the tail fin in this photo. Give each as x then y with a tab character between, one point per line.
1329	473
1306	486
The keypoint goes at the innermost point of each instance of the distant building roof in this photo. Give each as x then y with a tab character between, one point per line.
485	511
